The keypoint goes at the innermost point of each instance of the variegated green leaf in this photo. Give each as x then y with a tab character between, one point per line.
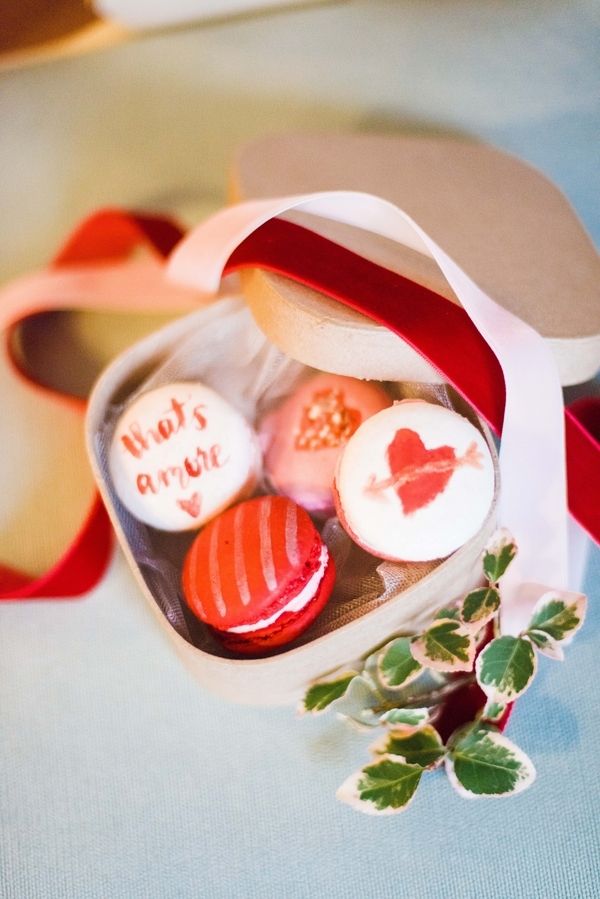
385	787
396	666
493	711
424	747
360	700
409	719
484	763
479	606
452	613
547	645
445	646
558	618
321	694
405	720
505	668
498	555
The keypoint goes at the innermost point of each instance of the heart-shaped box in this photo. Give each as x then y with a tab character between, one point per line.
408	595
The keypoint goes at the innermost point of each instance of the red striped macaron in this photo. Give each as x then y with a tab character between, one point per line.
258	574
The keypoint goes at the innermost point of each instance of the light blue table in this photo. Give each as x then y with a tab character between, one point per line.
119	776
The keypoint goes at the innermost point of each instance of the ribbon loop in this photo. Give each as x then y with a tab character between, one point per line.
93	270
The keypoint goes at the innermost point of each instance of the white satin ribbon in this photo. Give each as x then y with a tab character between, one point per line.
533	503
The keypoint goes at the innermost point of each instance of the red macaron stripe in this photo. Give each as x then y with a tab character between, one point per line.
287	563
214	573
191	581
256	582
239	564
265	531
291	535
229	594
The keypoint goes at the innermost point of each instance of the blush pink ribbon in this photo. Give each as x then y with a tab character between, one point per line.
97	270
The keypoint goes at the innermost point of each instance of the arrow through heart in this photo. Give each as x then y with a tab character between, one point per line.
419	474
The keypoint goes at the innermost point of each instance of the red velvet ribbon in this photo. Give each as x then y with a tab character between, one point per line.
110	236
438	329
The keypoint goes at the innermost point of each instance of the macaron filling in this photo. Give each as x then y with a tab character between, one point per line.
299	602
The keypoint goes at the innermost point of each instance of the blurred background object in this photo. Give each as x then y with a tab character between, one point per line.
33	30
157	13
38	30
32	22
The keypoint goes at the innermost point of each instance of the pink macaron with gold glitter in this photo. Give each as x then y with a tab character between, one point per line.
303	437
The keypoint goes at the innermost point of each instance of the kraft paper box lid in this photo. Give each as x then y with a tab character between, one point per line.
502	221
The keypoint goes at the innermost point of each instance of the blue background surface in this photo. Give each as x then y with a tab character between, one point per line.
122	778
119	775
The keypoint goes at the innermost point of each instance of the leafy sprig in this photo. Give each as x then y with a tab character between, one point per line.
404	685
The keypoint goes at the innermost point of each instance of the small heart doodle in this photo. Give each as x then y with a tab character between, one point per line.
191	505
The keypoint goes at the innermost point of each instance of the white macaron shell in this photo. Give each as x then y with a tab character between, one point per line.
376	518
157	434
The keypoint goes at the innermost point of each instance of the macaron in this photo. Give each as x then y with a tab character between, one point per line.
414	483
180	454
258	575
304	436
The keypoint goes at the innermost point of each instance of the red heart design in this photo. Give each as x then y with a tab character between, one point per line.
191	505
420	474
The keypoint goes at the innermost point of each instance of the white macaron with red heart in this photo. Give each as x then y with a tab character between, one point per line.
415	482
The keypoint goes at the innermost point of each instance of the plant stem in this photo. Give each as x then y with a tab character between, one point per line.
434	697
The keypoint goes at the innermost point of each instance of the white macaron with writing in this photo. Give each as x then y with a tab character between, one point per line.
180	454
